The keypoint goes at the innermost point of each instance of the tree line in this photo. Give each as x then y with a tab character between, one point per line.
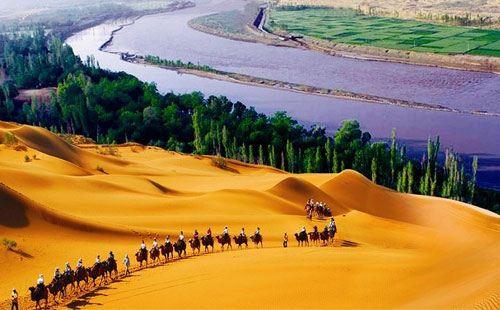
116	107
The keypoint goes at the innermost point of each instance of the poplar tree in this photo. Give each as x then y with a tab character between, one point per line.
328	154
374	170
251	157
261	155
198	146
290	157
225	142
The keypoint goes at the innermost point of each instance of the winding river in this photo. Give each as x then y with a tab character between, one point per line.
168	36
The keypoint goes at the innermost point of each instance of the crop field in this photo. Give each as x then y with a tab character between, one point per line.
350	27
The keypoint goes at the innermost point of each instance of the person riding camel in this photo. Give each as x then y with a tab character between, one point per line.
111	256
155	243
57	274
181	236
68	270
242	233
257	232
303	230
315	229
285	240
167	240
143	246
225	232
196	234
209	232
40	282
79	264
97	260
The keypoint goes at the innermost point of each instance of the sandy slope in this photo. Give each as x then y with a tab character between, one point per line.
393	250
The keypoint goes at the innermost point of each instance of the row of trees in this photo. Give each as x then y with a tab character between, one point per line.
117	107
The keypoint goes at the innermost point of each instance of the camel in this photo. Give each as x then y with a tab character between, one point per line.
180	247
225	239
81	274
39	293
111	267
167	250
142	256
207	241
154	254
256	239
195	244
97	271
240	240
302	238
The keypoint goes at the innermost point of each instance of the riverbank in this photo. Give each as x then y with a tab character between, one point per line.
185	68
281	38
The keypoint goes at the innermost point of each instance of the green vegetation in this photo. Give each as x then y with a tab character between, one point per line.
118	107
155	60
9	244
352	27
65	17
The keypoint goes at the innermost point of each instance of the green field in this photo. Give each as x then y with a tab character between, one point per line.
348	26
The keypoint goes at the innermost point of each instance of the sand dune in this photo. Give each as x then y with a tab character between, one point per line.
393	250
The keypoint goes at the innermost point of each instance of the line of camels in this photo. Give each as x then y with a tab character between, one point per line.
106	271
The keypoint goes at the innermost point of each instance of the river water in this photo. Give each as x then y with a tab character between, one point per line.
168	36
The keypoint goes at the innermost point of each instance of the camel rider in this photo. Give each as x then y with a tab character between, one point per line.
257	232
225	232
209	232
167	240
79	264
285	240
40	282
303	230
331	225
181	236
97	260
57	273
67	270
242	233
196	234
111	256
315	228
155	243
143	246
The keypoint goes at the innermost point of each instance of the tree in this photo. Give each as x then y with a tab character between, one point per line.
374	170
198	144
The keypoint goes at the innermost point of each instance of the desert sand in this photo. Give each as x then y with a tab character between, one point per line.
392	249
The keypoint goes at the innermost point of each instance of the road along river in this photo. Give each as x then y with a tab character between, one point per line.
168	36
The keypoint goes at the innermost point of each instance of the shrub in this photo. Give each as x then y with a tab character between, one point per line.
219	162
9	244
10	139
27	159
101	169
109	150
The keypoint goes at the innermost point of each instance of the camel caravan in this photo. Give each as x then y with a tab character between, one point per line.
317	207
105	271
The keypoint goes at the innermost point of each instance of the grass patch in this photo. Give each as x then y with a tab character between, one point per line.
9	244
352	27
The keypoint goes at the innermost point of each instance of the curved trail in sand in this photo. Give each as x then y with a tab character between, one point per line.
403	250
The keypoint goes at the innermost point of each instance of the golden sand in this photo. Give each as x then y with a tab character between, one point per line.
392	249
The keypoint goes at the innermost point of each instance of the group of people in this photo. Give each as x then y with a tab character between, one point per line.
315	236
196	236
68	270
320	208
